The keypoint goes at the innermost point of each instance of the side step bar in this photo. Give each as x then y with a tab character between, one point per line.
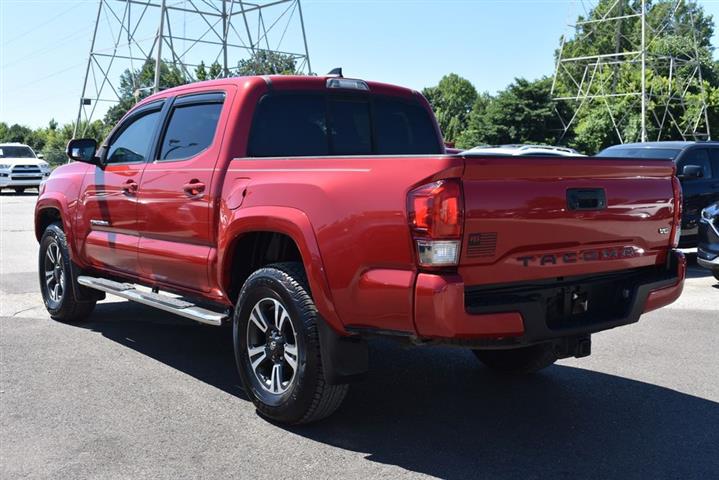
162	302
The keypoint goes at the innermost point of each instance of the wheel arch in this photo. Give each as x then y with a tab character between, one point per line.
288	231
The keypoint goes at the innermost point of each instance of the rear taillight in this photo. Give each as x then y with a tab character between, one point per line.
435	218
677	221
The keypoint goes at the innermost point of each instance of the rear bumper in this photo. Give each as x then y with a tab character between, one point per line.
526	313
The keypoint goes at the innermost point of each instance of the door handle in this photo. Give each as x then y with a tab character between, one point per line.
194	188
129	187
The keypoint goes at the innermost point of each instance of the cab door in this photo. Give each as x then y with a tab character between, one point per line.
176	196
698	192
107	227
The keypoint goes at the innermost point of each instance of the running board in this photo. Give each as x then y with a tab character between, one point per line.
162	302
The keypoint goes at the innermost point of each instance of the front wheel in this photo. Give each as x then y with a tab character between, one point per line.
57	281
277	347
715	272
518	361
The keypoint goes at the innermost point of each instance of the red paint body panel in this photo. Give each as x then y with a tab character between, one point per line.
439	303
664	296
348	218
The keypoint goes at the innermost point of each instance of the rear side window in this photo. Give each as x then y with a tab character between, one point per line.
404	128
292	125
190	130
289	125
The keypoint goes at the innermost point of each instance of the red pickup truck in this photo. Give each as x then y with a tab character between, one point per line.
314	212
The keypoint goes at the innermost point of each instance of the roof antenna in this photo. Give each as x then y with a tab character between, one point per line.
335	72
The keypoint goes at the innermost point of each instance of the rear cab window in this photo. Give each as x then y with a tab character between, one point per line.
321	124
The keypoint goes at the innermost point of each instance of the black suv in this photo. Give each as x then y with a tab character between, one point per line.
708	251
697	169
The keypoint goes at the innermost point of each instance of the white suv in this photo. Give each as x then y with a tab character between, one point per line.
523	150
20	168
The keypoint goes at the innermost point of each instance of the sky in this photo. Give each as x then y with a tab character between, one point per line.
44	45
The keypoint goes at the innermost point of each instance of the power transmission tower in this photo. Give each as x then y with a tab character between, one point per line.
183	33
674	108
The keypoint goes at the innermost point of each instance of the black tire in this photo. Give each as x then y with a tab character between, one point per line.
19	189
715	272
60	302
518	361
306	397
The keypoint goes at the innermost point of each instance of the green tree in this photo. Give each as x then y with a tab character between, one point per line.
264	62
523	113
689	27
201	72
452	101
136	85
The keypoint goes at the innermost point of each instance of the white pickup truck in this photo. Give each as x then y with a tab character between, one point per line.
20	168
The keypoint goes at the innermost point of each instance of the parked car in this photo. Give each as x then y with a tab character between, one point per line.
20	168
708	251
279	204
524	150
697	165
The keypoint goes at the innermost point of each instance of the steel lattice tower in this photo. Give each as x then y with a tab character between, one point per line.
184	33
678	108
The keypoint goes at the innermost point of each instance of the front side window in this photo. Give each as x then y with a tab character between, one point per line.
191	130
133	142
699	157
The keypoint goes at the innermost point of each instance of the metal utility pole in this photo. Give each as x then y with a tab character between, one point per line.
129	34
158	58
644	71
671	110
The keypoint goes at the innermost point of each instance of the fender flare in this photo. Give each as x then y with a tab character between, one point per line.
295	224
57	201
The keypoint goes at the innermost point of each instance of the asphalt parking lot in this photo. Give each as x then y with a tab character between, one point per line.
137	393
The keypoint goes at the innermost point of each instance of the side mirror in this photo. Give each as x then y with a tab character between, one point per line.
40	156
692	171
83	150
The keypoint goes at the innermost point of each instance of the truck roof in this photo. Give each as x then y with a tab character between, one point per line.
681	144
287	82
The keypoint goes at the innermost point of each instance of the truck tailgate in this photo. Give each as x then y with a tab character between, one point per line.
535	218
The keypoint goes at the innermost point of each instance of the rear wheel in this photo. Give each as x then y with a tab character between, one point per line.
277	347
518	361
57	281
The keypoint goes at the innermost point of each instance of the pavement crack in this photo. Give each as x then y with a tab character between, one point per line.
23	310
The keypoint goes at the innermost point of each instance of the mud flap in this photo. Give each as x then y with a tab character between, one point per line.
344	359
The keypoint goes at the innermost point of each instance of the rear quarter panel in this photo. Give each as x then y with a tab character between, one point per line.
356	207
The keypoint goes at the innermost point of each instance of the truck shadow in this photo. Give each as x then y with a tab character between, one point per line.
436	411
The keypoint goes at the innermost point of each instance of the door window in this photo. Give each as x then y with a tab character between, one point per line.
714	157
190	131
699	157
132	144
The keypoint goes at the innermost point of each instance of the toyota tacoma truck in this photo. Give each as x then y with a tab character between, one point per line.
312	213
